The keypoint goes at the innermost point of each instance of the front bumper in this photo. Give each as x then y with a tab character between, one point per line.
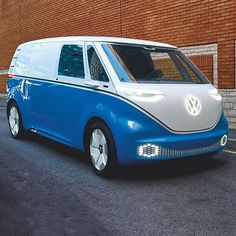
152	146
158	152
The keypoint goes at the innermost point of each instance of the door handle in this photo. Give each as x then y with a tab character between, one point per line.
92	84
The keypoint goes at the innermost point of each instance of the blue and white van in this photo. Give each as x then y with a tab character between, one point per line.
123	101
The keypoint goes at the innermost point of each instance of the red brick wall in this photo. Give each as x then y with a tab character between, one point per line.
205	64
182	23
3	83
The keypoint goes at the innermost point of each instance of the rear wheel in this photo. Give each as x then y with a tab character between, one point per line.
15	121
101	148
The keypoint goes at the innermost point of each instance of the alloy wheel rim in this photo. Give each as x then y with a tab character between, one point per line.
98	149
14	121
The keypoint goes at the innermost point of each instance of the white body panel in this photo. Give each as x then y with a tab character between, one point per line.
100	39
37	60
168	104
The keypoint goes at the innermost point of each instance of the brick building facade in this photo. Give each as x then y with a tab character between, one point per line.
204	29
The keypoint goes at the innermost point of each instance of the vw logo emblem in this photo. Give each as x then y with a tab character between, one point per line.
193	105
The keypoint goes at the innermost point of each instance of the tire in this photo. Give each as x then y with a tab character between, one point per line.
15	121
102	151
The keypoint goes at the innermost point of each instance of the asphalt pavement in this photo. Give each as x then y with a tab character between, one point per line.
2	101
49	189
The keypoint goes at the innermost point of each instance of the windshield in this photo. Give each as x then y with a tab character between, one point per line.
147	64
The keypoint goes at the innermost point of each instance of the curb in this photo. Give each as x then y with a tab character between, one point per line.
232	139
3	101
3	72
3	96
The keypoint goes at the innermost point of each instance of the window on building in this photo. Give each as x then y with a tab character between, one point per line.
71	61
97	71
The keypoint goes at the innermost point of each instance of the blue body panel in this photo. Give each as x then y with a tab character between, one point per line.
61	111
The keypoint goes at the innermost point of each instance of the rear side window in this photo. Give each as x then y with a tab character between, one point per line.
97	71
71	61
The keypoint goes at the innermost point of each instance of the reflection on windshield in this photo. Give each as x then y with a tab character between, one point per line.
142	64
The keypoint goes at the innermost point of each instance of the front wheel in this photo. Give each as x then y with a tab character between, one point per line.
101	148
15	121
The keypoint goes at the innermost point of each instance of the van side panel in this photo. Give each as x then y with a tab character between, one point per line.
58	109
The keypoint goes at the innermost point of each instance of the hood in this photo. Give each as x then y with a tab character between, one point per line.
180	107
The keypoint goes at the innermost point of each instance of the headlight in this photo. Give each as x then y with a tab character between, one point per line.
215	94
141	95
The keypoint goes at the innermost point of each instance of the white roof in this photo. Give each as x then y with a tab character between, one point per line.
101	39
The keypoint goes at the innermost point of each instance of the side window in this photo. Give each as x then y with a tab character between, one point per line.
71	61
97	71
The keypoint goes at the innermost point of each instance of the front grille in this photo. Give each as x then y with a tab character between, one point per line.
164	152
